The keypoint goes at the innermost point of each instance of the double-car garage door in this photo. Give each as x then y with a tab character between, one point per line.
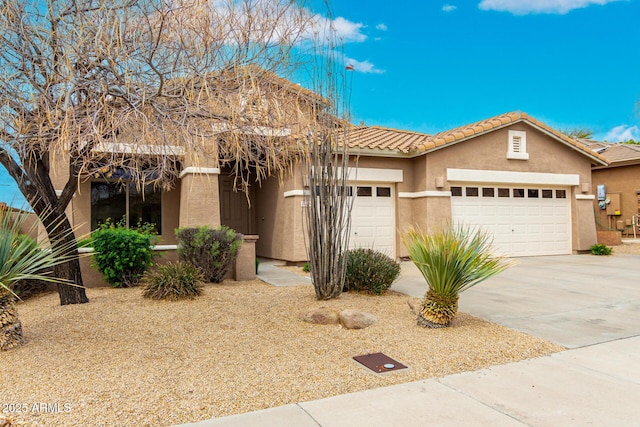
524	221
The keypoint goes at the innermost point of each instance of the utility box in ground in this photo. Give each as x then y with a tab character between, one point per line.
614	207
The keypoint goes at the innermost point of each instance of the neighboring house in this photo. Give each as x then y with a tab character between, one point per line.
527	183
619	208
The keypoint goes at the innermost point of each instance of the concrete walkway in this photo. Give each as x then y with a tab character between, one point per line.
269	272
589	304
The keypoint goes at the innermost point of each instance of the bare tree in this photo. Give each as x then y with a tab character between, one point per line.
87	86
329	201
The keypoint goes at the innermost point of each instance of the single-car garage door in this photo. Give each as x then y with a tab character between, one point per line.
524	221
373	218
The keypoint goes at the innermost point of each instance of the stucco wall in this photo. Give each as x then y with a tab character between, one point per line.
279	219
489	152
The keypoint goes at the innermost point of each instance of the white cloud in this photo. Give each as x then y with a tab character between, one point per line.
348	31
449	8
363	66
381	27
523	7
623	133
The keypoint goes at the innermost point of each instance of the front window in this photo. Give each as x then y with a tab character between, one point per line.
118	201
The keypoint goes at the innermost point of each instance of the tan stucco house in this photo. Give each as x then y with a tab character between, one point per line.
528	184
511	174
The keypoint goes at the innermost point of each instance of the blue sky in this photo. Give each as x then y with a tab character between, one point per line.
433	65
429	65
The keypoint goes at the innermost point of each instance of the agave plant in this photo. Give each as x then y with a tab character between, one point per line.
21	258
451	260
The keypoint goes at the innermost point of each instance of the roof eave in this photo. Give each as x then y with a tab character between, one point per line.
616	164
381	152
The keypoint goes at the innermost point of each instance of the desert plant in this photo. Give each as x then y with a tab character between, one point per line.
21	260
451	260
306	267
600	249
28	287
212	250
122	255
370	271
174	281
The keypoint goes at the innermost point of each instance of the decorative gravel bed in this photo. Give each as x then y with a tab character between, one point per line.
122	360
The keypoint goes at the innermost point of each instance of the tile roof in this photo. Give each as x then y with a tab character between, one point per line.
376	137
467	131
381	138
615	153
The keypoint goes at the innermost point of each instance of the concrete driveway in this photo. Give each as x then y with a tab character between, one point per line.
572	300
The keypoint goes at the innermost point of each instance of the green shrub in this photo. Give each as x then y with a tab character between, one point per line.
601	249
306	267
212	250
173	281
122	255
370	271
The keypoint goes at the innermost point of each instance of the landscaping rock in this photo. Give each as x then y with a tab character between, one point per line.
321	316
352	319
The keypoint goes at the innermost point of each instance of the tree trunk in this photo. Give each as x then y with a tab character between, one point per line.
70	293
61	234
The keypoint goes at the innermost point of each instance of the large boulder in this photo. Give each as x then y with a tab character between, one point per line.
321	316
352	319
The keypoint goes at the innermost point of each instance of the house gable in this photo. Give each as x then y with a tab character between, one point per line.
467	132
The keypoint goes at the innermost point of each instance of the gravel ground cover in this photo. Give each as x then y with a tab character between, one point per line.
627	249
123	360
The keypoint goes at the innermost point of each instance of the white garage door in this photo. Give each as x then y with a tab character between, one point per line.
524	221
373	218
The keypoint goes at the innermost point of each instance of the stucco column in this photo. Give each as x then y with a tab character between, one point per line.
199	192
246	260
199	197
584	223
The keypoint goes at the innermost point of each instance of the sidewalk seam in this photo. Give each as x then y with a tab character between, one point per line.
310	416
481	402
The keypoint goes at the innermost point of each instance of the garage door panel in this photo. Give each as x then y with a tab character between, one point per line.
489	211
534	229
520	211
548	211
